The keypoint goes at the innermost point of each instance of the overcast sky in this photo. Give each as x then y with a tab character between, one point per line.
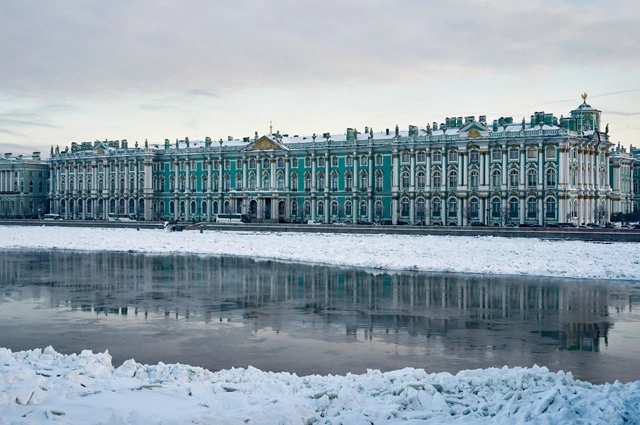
125	69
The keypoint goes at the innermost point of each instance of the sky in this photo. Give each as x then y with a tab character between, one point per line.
94	70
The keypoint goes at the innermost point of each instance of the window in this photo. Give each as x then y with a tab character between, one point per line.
320	208
453	207
474	208
280	162
320	181
363	208
437	156
421	180
514	153
239	164
404	180
551	177
252	163
307	161
252	182
321	161
453	179
294	162
238	182
379	181
347	209
307	208
405	157
294	208
474	156
453	155
334	161
216	164
550	208
379	209
513	178
496	179
227	165
334	208
348	182
333	184
550	153
474	178
265	163
307	182
532	208
266	181
496	154
364	160
349	161
379	160
280	180
437	180
532	153
532	178
294	182
421	157
495	208
404	210
437	204
363	182
513	208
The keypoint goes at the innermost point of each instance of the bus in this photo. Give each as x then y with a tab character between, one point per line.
231	218
121	217
51	217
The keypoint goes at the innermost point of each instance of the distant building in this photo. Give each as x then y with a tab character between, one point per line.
23	186
538	171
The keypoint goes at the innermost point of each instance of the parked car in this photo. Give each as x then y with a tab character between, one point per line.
478	224
313	222
366	223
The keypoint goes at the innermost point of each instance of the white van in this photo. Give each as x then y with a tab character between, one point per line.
52	217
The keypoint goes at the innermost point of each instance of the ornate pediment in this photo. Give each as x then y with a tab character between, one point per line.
474	129
100	149
265	143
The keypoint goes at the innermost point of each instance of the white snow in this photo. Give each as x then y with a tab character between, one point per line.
41	385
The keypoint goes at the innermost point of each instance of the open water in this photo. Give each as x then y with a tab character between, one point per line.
227	312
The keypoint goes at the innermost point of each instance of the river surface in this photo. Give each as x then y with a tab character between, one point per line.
226	312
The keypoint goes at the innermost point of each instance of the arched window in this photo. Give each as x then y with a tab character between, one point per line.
307	182
513	177
252	181
437	208
307	208
513	208
280	162
294	182
532	208
550	208
252	163
474	178
496	208
551	177
321	161
334	161
532	178
280	179
192	208
348	182
550	153
334	181
320	181
204	183
203	208
453	207
334	208
320	208
437	180
266	180
347	209
405	157
379	209
421	180
363	208
404	207
294	208
404	180
453	179
363	181
379	159
436	156
496	179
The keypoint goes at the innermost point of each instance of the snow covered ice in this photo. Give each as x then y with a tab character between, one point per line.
41	385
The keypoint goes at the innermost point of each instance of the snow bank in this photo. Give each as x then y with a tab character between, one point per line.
485	255
45	386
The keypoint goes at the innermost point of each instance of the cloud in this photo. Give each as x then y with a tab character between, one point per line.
106	48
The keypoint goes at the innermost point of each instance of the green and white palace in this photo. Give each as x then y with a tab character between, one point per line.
466	170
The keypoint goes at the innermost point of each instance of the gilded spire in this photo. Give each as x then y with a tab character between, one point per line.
270	127
584	97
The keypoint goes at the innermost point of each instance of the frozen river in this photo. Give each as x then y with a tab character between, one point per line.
224	312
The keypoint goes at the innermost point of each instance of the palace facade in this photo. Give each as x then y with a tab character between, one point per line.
24	186
466	170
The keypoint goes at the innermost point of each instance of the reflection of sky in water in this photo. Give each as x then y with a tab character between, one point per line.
228	312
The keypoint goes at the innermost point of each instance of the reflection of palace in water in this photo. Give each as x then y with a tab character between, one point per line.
572	313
